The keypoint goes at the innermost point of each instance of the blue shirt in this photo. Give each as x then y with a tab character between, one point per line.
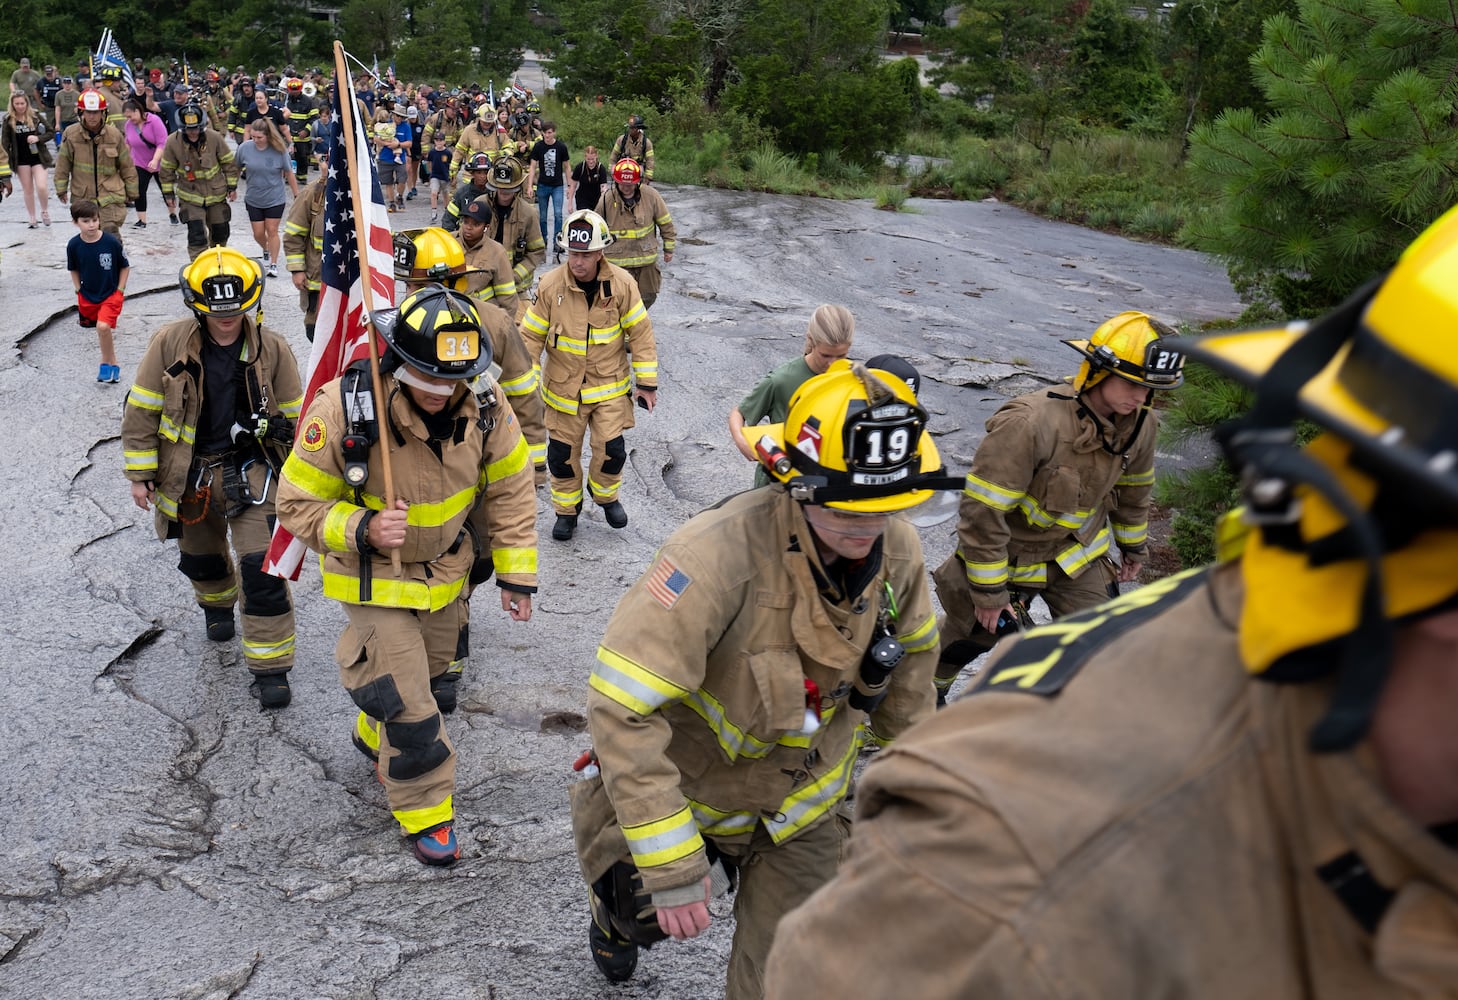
99	264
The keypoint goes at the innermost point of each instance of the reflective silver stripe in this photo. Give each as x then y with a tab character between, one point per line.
814	800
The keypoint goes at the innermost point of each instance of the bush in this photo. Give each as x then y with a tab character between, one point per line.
890	197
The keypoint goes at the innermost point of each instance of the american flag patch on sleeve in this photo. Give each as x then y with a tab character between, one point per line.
667	582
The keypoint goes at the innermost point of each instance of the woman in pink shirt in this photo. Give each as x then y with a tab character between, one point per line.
146	135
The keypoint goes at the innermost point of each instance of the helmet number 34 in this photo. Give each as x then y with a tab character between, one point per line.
457	345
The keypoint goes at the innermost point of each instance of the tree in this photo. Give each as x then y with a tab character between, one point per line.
811	70
1359	154
439	47
1118	77
1210	43
1013	56
370	26
624	48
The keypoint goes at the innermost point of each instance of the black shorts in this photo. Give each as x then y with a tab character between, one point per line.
259	214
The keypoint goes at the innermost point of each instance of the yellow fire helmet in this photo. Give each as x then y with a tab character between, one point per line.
221	282
1358	530
1133	346
854	440
431	254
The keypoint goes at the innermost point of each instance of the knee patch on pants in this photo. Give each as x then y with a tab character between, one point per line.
220	234
263	595
197	233
420	746
617	454
379	699
463	642
202	567
559	457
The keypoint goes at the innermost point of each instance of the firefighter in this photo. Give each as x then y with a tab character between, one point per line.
727	701
514	226
110	85
434	255
637	217
302	112
204	432
303	241
465	480
1233	782
96	163
199	177
600	356
478	183
1060	480
494	280
447	122
635	145
476	138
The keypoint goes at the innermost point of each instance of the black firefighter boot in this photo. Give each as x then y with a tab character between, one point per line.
271	690
220	623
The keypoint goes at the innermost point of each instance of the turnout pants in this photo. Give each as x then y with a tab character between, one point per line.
963	639
773	880
207	226
268	608
387	657
649	280
606	422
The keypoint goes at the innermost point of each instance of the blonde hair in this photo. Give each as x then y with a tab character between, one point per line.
275	137
830	325
29	117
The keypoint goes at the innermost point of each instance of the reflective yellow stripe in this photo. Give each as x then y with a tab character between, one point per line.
717	823
636	315
415	820
314	481
664	840
166	504
505	288
571	345
990	493
221	597
169	430
923	637
425	514
645	371
1031	573
1130	535
292	407
534	323
634	234
145	399
522	385
634	261
988	574
140	461
367	732
337	536
268	650
805	805
1040	518
599	393
1136	479
604	334
518	561
389	593
509	465
560	499
631	684
539	453
1077	557
601	492
559	403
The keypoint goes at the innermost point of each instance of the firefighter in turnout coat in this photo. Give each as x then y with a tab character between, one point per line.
465	506
1233	782
637	216
303	241
1060	479
205	428
95	162
728	700
600	354
199	177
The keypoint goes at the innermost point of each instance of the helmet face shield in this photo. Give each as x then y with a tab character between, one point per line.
437	332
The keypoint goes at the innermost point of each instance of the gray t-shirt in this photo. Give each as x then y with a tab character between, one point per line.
265	185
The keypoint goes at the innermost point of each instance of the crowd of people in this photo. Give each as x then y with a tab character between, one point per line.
1232	747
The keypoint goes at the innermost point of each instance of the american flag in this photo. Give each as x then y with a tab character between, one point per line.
109	53
340	336
667	582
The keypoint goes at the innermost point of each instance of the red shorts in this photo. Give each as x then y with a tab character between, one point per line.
107	311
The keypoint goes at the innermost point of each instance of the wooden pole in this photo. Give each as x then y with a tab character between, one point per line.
347	111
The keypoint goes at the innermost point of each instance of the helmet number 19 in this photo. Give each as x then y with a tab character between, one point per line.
881	446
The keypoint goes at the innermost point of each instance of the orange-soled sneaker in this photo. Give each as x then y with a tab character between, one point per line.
437	845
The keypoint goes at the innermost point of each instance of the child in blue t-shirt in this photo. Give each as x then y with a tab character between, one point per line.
99	269
438	162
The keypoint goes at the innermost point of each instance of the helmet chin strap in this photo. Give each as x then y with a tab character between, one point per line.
1115	449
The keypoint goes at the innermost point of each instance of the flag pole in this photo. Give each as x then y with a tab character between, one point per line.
347	111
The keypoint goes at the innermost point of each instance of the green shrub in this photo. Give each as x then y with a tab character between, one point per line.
890	197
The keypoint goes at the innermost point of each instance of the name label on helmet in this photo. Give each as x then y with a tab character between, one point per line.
873	479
